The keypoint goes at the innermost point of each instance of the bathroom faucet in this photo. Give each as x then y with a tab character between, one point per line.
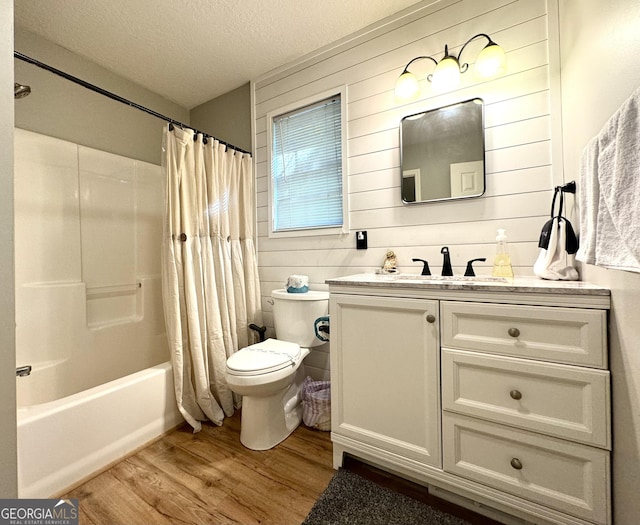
425	266
446	264
469	271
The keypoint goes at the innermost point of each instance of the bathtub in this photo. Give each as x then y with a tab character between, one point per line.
64	441
89	315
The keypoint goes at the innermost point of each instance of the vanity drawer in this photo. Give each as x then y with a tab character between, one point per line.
561	335
567	476
565	401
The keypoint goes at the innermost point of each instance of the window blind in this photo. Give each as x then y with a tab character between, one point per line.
306	167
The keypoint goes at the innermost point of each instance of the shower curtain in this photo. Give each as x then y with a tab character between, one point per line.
210	285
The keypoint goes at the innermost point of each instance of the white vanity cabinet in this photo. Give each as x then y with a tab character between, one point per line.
533	382
497	394
386	392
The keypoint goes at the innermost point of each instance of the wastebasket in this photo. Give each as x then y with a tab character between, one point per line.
316	404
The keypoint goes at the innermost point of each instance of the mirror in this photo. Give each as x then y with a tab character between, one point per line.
442	153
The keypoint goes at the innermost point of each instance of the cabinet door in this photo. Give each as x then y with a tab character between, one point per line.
385	374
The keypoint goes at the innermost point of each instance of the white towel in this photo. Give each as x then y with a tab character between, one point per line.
609	191
588	199
554	263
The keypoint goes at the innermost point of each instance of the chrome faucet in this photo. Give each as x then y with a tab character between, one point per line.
446	264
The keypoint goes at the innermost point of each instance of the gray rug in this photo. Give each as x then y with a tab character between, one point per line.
350	499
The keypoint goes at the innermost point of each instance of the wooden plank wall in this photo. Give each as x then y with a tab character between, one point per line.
518	133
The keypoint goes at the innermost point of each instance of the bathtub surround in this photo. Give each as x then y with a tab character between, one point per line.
88	303
89	312
211	290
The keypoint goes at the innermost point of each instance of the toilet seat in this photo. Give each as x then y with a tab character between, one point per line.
263	358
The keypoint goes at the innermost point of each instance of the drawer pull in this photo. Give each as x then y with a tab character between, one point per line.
516	394
431	318
513	332
516	463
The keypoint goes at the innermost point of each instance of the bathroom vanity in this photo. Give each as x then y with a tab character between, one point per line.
494	394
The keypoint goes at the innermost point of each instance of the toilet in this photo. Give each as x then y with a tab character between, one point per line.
269	374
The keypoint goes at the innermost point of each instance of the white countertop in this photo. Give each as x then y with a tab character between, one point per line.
479	283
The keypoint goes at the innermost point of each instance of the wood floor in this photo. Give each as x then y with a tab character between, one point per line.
210	478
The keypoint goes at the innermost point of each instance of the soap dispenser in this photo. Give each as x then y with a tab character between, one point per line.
502	261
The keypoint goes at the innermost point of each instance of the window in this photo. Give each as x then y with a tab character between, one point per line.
307	161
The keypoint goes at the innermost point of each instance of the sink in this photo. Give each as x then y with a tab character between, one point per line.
445	279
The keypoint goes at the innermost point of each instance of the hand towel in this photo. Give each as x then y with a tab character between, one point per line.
553	262
610	187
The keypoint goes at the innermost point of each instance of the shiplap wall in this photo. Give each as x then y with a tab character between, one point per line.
518	124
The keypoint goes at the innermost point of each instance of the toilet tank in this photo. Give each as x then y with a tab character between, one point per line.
294	315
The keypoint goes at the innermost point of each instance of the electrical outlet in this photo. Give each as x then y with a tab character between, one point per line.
361	240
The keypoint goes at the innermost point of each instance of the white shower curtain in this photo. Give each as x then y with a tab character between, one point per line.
210	285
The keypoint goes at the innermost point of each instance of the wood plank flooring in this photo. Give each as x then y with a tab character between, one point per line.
210	478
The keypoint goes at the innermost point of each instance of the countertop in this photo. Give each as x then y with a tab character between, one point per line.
479	283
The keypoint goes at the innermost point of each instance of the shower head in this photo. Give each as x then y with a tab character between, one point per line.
20	91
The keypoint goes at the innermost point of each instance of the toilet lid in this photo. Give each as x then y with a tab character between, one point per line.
262	358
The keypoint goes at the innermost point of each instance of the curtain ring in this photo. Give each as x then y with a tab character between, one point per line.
182	237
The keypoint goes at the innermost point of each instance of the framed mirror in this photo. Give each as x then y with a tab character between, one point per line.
442	153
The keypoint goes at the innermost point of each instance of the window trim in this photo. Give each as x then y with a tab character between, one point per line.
271	115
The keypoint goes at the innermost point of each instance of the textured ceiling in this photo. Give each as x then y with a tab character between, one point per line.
191	51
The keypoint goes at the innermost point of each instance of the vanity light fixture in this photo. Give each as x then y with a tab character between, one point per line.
490	62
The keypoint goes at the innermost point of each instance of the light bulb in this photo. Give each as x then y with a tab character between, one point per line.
490	62
407	87
447	75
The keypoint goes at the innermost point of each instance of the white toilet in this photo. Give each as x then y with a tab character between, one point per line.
268	374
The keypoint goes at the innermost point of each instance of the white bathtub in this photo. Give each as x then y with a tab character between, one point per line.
89	316
64	441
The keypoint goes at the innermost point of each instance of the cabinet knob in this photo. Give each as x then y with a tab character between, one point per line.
431	318
513	332
516	463
515	394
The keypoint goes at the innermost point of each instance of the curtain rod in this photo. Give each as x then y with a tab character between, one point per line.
117	98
